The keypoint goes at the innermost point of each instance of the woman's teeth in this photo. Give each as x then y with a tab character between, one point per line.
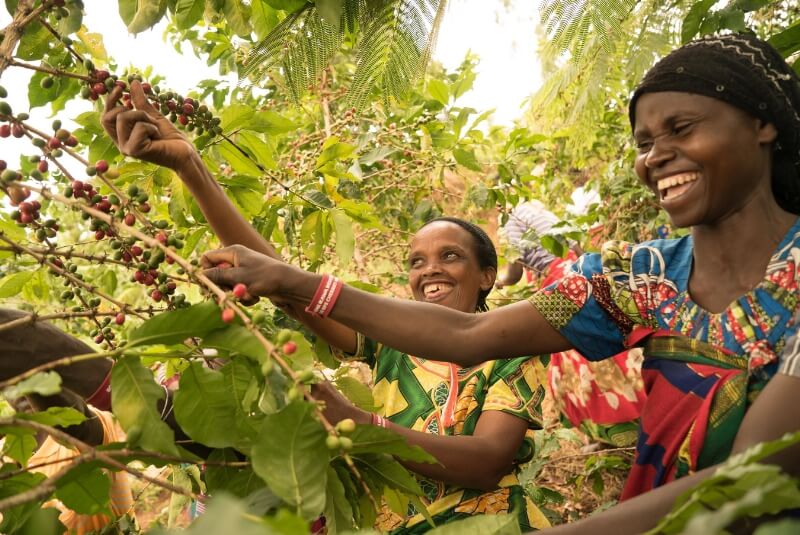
676	185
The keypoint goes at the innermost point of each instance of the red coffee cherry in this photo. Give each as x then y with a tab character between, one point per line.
54	143
183	119
119	319
5	130
240	290
130	220
228	315
136	250
289	347
42	166
17	130
157	296
101	166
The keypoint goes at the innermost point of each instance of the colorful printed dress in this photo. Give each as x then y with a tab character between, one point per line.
418	394
701	370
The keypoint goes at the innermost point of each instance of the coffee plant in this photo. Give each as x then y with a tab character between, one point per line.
107	248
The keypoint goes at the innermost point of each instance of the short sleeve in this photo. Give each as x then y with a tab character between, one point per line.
516	387
366	351
790	357
573	307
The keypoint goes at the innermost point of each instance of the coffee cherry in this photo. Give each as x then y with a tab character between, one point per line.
119	319
136	250
101	166
54	143
240	290
188	108
183	119
304	376
144	208
99	88
346	443
130	219
17	130
346	426
157	296
71	141
42	167
289	347
332	443
228	315
284	335
47	82
5	130
5	108
62	134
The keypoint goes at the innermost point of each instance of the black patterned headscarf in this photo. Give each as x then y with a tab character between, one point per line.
747	73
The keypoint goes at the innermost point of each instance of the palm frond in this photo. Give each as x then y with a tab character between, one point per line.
395	48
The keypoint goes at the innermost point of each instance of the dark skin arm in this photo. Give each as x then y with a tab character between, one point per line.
145	134
510	331
37	343
456	454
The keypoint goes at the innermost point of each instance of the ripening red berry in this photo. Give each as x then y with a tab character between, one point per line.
36	206
26	208
99	235
289	347
5	130
183	119
149	280
101	166
3	165
77	186
138	276
101	75
156	296
71	141
136	250
240	290
162	238
171	286
126	256
99	339
188	108
144	207
42	166
54	143
130	219
147	88
228	315
104	206
26	218
119	319
17	130
99	88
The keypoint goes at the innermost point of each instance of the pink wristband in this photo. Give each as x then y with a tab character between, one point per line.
325	297
380	421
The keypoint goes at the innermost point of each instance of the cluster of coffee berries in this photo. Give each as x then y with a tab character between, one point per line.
187	112
104	331
14	125
60	9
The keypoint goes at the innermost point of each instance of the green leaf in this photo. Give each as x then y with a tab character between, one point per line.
265	18
286	5
502	524
314	233
290	455
55	416
787	526
134	395
15	517
240	163
338	512
694	19
43	522
175	326
19	446
188	12
42	383
438	90
35	42
11	285
147	14
357	392
237	16
85	489
334	151
373	439
238	481
330	11
257	148
787	42
345	239
467	159
93	43
237	340
389	471
209	411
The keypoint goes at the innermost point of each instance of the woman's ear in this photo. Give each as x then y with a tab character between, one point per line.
488	276
767	133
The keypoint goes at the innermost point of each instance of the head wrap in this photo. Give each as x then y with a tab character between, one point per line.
530	217
751	75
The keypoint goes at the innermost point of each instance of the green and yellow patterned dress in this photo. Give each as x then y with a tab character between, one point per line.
415	393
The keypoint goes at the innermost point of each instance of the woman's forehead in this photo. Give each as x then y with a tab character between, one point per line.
440	232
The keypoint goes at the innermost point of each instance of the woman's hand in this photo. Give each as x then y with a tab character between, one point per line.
338	407
263	275
143	132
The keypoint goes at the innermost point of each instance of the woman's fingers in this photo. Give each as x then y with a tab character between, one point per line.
125	124
141	138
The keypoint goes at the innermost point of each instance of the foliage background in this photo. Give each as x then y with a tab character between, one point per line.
337	149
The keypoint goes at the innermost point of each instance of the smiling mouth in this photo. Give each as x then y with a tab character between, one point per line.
674	186
436	290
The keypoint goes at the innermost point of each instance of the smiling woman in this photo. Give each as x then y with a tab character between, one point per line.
712	310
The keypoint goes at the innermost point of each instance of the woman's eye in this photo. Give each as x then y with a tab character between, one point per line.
415	262
644	146
450	255
681	128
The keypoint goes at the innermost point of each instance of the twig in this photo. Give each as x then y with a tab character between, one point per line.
48	70
64	361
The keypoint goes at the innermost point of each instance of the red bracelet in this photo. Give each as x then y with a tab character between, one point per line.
325	297
380	421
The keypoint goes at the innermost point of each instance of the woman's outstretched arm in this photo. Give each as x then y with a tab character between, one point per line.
423	329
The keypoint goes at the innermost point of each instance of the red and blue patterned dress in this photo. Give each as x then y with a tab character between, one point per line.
701	369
